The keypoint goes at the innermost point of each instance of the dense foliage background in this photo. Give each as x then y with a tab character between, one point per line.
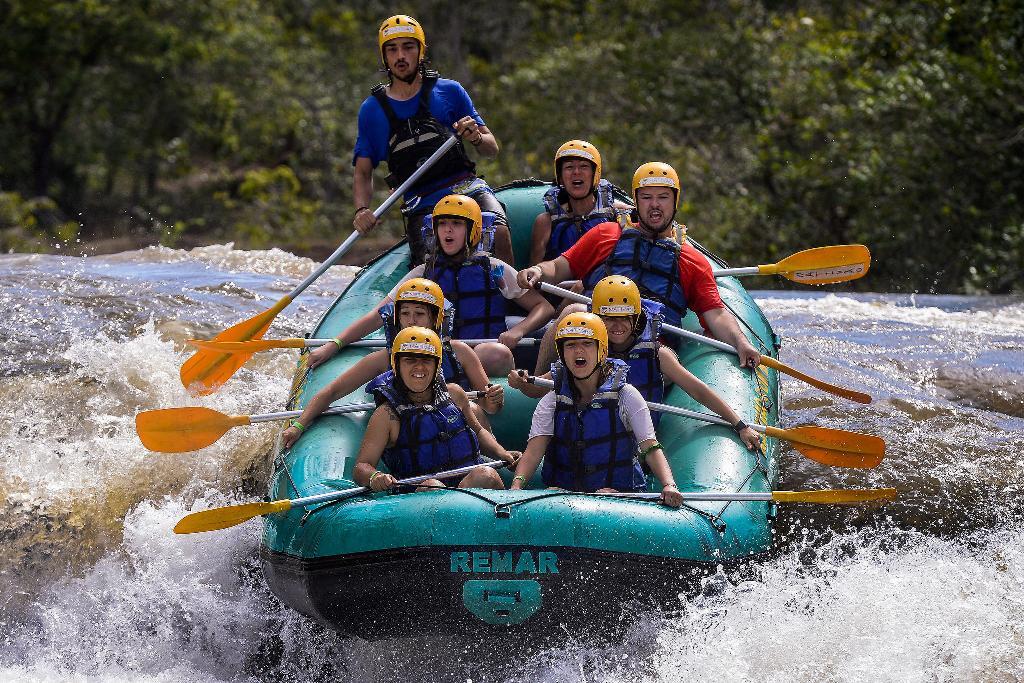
793	124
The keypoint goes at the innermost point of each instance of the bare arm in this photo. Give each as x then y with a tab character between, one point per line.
528	463
541	235
362	195
488	444
380	432
540	311
724	326
702	393
367	323
363	371
517	381
494	394
480	137
659	466
545	271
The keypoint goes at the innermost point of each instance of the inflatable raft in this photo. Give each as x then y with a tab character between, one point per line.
388	565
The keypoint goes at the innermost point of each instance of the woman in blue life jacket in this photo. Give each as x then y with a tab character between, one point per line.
478	285
422	425
579	200
634	328
594	430
418	302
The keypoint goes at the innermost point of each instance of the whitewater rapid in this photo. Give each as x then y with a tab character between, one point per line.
96	587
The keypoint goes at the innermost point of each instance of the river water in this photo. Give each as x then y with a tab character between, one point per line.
97	588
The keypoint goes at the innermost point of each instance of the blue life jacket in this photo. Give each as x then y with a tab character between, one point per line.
473	289
487	232
652	264
431	438
451	368
412	140
642	357
591	447
566	228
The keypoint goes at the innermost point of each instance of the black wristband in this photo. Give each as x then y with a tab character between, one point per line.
740	426
361	208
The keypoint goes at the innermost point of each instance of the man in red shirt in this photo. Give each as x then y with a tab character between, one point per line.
676	275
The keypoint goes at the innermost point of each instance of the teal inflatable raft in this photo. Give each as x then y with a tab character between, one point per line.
391	565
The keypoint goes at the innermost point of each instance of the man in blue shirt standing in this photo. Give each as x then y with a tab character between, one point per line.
404	121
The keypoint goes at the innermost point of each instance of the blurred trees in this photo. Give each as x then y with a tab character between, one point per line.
793	124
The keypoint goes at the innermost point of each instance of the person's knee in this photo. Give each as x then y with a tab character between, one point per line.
430	485
482	478
497	359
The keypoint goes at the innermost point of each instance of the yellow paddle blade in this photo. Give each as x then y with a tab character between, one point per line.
232	515
207	370
248	346
833	446
850	394
833	496
823	265
177	430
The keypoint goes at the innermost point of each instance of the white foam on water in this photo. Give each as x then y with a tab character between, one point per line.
77	430
1002	320
936	610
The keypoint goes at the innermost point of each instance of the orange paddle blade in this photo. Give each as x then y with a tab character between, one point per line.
833	446
823	265
206	371
833	496
231	515
248	346
850	394
177	430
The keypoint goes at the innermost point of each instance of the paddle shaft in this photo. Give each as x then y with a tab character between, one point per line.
335	410
350	493
525	341
736	272
573	296
702	495
380	210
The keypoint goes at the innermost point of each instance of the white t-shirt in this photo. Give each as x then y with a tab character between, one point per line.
633	412
506	276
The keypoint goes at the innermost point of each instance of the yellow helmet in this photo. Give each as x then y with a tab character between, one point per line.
582	326
461	206
616	296
578	149
420	290
416	341
401	26
656	174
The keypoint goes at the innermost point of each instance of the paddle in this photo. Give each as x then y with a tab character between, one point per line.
232	515
850	394
830	496
836	447
818	266
207	370
179	430
255	345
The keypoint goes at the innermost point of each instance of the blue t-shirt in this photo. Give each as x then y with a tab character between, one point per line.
449	102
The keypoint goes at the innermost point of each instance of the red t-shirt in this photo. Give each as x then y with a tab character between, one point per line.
695	274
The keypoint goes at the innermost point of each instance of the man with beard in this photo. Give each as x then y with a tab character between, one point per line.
404	121
676	275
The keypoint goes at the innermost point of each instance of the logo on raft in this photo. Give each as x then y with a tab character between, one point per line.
498	562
